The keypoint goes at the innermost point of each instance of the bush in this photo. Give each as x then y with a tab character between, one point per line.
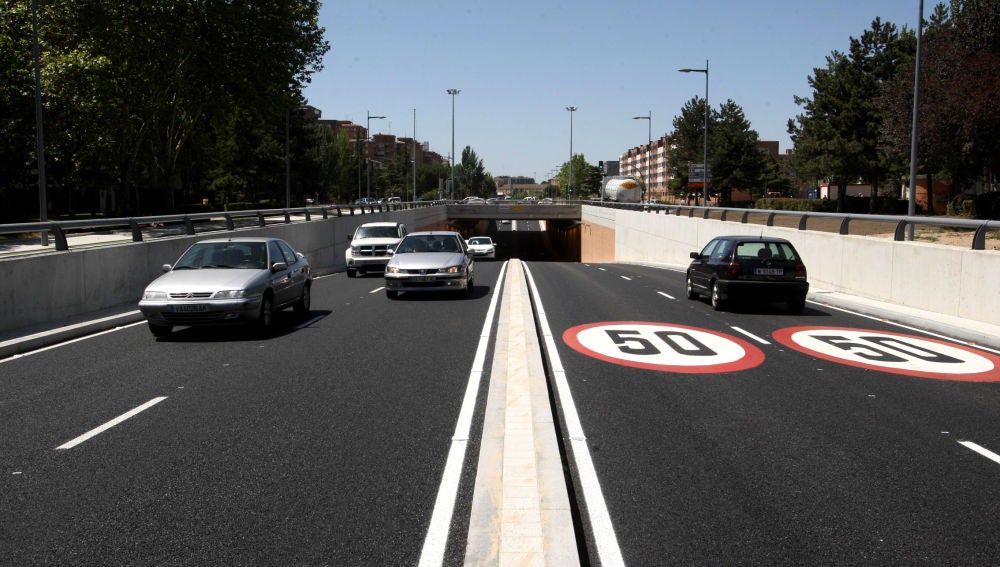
962	206
242	206
788	204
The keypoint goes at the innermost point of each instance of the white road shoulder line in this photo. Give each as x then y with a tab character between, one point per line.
981	450
432	553
101	429
605	539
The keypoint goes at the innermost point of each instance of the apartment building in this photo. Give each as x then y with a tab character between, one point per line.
649	163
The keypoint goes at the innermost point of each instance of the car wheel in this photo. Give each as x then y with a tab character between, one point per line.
302	307
469	287
266	319
797	305
717	302
160	330
351	273
391	294
691	293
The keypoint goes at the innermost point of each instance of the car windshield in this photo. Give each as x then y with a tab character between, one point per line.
765	251
479	241
224	255
376	232
428	243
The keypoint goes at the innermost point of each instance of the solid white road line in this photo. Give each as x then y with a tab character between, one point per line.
71	341
981	450
110	424
751	335
436	541
605	539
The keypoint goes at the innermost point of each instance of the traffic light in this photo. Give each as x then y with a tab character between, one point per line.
600	167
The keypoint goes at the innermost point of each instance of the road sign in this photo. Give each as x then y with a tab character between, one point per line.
664	347
893	352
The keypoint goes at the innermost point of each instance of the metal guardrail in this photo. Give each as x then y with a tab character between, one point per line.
189	222
141	225
901	223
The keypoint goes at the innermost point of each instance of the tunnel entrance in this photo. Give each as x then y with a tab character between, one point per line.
530	240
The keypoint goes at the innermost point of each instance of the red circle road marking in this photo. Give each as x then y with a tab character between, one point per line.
893	352
664	347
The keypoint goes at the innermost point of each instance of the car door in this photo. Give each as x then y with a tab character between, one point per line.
281	280
298	271
700	271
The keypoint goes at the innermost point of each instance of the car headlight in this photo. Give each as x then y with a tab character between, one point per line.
452	270
154	295
230	294
391	270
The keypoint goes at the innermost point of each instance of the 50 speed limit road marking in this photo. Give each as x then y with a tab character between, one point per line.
893	352
662	346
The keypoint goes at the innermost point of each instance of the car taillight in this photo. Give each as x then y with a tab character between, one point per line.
734	269
800	271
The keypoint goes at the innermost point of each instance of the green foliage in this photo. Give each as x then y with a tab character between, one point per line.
985	206
147	99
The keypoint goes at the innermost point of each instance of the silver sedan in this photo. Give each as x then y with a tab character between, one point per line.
228	280
430	261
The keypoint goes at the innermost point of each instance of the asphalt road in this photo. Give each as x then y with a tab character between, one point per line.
717	437
796	460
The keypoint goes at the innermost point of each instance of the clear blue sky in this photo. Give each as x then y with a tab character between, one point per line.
520	63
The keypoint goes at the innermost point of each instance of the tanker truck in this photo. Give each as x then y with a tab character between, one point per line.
622	189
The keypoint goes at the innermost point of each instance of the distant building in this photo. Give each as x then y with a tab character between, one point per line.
649	163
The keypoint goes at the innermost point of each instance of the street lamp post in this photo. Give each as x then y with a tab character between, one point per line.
452	92
368	173
571	110
704	185
43	206
649	153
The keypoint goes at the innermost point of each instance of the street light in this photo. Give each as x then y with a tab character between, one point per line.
43	207
649	152
368	173
571	110
704	185
453	92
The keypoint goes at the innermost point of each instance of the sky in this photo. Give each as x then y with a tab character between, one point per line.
520	63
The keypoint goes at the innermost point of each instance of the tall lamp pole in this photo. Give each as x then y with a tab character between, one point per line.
453	92
704	185
649	153
571	110
911	208
43	206
368	173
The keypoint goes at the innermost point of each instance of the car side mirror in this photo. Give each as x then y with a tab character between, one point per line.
695	256
279	266
166	267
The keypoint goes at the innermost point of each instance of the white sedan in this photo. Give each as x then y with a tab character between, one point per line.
482	247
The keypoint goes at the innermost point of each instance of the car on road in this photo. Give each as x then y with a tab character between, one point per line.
482	247
474	201
228	280
751	268
371	247
430	261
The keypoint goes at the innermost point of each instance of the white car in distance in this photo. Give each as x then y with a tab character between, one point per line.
482	247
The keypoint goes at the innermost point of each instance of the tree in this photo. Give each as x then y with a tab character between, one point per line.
837	136
582	177
736	161
959	120
135	93
470	176
686	143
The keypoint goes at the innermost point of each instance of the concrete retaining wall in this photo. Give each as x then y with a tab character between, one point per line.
57	286
941	279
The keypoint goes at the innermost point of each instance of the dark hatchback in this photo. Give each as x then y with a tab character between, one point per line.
754	268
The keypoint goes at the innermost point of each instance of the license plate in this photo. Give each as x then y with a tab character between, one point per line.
769	272
422	279
195	308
